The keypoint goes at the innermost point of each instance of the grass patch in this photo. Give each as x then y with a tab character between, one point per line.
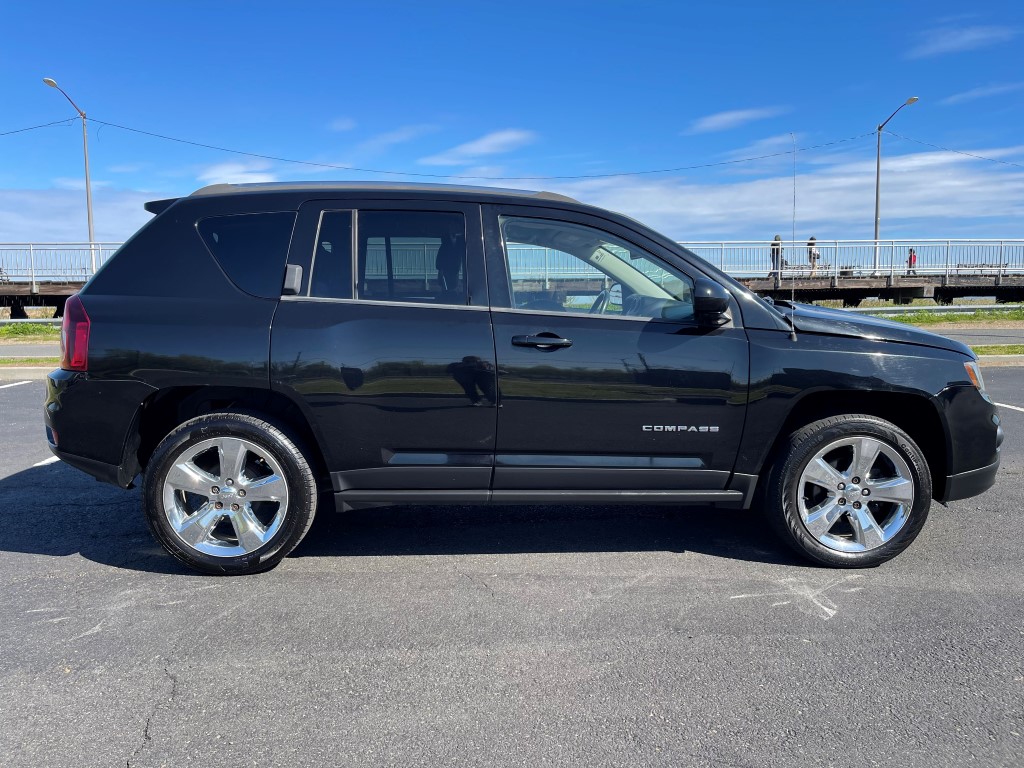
16	361
29	331
933	318
999	349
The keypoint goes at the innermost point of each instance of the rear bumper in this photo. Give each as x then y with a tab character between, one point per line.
90	422
106	473
973	483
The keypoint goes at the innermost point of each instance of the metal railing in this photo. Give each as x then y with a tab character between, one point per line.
865	258
71	262
52	262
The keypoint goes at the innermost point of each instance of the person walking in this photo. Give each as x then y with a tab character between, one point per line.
912	262
813	254
776	250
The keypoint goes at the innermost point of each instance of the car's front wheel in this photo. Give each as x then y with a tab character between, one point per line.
849	491
229	493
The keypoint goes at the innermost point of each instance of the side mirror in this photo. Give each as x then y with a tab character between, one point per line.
710	302
292	280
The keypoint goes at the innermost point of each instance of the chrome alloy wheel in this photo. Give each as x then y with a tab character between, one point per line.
225	496
855	494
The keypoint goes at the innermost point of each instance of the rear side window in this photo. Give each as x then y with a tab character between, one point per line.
416	256
251	248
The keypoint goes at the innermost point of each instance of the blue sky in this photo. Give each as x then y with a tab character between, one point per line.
529	88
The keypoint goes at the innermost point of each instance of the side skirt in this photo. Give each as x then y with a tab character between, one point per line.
364	499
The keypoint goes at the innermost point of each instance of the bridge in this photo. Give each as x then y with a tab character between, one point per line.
45	274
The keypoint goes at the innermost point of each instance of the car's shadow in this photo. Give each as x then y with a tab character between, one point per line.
57	511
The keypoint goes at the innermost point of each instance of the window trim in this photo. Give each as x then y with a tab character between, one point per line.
391	303
353	218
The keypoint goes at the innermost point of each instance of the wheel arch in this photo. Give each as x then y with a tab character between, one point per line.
165	409
914	414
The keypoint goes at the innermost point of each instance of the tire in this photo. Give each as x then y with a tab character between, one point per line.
817	501
255	471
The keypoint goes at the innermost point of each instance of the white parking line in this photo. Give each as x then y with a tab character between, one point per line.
1011	407
15	384
44	462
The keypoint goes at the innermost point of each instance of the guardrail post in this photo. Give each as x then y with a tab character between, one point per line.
721	256
947	259
32	268
999	272
547	280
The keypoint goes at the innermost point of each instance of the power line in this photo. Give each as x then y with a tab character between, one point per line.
44	125
955	151
487	178
676	169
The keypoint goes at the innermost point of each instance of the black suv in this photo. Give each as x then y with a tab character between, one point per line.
256	348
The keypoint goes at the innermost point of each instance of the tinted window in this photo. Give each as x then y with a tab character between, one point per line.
412	256
332	256
563	267
251	249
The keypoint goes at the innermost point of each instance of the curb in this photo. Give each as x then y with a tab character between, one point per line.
1000	361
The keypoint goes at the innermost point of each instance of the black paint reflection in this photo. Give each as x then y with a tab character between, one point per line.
477	379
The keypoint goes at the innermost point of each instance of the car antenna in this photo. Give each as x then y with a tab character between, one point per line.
792	285
792	310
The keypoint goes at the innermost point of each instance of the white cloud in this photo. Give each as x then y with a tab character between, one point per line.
483	173
237	172
495	143
64	182
58	215
983	92
384	141
341	124
924	194
724	121
770	145
955	39
928	193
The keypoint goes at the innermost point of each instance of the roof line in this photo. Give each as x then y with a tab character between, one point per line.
356	186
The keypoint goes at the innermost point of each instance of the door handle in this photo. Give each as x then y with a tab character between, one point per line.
545	340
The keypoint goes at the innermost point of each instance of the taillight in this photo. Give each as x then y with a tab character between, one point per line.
74	336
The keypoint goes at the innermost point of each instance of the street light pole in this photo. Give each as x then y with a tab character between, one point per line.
88	186
878	174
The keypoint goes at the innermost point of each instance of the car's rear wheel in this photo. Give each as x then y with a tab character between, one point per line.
849	491
229	493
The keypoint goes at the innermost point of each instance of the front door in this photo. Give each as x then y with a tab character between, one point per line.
606	381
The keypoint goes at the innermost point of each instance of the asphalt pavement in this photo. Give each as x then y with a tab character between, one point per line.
594	636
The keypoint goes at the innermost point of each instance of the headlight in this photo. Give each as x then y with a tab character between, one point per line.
974	373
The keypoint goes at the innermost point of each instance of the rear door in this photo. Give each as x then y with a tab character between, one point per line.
606	379
388	347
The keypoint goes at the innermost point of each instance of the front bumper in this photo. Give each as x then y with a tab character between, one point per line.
972	483
975	434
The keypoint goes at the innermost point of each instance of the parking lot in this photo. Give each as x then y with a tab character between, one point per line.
504	636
